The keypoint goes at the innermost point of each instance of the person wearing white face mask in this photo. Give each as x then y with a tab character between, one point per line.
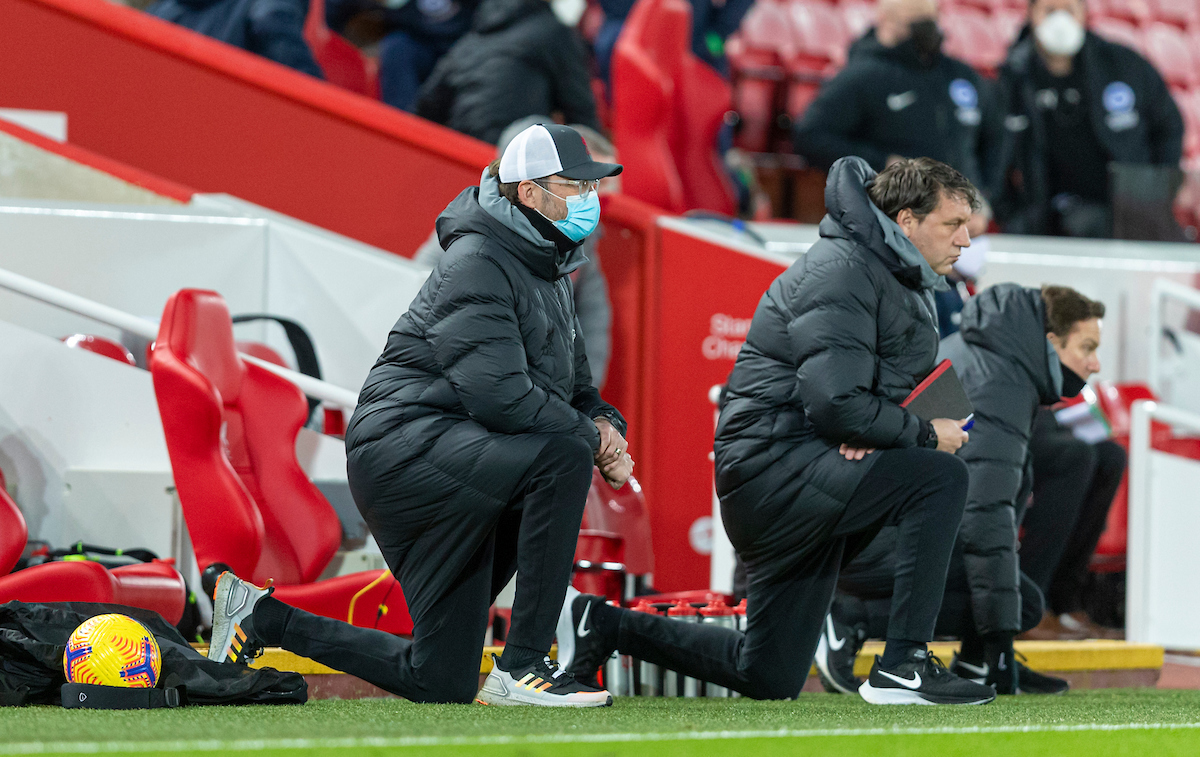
1076	103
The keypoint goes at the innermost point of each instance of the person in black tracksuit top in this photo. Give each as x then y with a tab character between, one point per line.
471	450
1009	368
1071	114
273	29
518	60
814	453
904	98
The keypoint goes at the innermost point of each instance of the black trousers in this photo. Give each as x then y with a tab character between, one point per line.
922	492
534	538
865	593
1073	487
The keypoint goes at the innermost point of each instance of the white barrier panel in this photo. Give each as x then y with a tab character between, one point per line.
1163	563
347	294
1119	274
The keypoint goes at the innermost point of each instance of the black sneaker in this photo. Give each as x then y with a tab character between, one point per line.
836	652
1002	673
922	679
233	637
543	684
1033	682
581	651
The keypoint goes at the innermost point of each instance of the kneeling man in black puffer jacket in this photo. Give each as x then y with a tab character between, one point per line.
1017	349
814	453
470	453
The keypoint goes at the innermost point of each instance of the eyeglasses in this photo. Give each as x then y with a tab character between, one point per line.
583	187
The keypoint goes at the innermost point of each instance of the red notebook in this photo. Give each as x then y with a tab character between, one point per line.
940	395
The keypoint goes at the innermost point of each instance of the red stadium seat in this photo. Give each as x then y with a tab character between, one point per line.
820	36
988	6
1181	13
153	586
101	346
1121	32
262	352
231	430
667	109
971	37
1168	49
342	63
1134	11
704	99
644	63
756	57
622	512
1008	23
1186	101
857	16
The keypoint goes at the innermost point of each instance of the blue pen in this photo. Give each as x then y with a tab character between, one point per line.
970	422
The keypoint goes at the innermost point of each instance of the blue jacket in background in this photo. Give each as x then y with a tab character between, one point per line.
271	28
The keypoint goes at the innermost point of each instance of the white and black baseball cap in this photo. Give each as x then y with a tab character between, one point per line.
546	149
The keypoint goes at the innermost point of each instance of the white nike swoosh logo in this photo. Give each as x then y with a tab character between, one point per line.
908	683
583	629
974	669
834	642
901	101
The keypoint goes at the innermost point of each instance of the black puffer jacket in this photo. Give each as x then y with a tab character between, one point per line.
1145	128
487	362
491	337
1008	369
837	341
518	60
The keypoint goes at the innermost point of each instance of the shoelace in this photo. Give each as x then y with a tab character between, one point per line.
553	667
935	665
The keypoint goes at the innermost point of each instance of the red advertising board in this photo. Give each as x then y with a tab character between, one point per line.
697	318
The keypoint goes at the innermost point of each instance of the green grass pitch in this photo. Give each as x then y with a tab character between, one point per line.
1145	723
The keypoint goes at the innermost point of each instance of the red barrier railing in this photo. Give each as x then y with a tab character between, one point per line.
202	113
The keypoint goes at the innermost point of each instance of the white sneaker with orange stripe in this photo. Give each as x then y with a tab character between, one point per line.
232	639
542	684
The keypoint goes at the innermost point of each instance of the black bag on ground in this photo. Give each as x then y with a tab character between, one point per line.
33	638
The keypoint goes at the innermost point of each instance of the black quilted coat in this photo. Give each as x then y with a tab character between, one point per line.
1008	369
838	340
487	361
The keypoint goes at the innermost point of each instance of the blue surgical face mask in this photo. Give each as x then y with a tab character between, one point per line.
583	215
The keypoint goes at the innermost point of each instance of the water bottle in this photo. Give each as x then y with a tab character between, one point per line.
649	676
618	673
676	684
717	613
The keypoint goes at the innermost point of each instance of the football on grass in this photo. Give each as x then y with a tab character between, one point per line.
112	650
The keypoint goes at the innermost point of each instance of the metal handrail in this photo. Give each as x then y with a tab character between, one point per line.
322	390
1164	289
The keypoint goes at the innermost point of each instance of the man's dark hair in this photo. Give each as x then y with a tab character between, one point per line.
1065	307
918	184
507	191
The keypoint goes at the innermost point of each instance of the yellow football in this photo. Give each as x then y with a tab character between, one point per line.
112	650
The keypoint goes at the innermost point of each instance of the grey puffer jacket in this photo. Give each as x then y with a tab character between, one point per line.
837	342
491	337
1008	369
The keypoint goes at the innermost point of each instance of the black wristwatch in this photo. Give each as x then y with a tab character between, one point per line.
931	441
